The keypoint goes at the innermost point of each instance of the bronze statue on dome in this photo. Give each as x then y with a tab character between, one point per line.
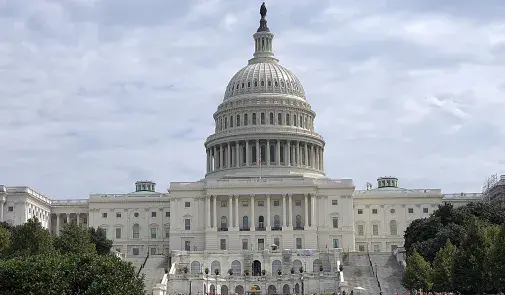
263	10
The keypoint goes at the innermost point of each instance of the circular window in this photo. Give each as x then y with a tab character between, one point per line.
136	214
392	211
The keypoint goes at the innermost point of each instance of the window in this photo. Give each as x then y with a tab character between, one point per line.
361	230
10	209
425	210
277	222
335	243
272	117
136	214
392	211
245	244
118	249
223	244
118	215
361	248
238	116
261	203
374	211
104	215
245	222
254	118
136	251
153	214
276	203
246	120
298	243
224	222
187	204
375	229
298	203
287	119
167	214
335	222
261	244
187	224
393	227
153	251
334	202
262	117
167	233
277	242
411	210
245	204
298	222
360	211
136	231
187	245
118	233
153	233
279	119
376	248
224	204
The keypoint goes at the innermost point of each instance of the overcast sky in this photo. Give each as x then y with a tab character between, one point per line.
95	95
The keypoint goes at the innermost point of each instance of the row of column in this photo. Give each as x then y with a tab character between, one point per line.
2	202
234	218
270	152
67	219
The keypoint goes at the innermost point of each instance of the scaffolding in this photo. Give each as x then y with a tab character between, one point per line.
493	190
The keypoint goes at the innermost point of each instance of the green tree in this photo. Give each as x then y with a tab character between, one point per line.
5	241
31	238
99	238
497	261
470	268
442	268
418	274
74	239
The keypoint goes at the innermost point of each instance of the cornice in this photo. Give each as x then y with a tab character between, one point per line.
265	132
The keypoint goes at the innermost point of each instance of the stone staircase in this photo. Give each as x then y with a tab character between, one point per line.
358	273
154	269
389	273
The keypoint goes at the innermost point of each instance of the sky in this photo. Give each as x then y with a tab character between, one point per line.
95	95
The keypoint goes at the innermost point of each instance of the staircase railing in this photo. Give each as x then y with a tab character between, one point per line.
143	264
374	272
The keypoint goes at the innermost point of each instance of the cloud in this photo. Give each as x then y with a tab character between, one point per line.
98	94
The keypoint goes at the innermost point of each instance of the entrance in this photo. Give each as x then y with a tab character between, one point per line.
256	271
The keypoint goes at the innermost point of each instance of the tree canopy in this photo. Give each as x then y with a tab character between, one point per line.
78	261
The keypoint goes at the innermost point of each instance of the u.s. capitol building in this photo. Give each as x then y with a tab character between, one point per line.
265	208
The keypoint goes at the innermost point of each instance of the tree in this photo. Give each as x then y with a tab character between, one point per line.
5	241
99	238
73	239
497	261
31	238
418	273
442	268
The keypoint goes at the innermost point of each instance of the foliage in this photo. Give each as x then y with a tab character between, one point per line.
418	274
442	268
216	272
246	272
5	241
301	269
230	272
497	260
99	238
292	270
206	270
321	268
279	272
30	238
263	272
74	239
185	269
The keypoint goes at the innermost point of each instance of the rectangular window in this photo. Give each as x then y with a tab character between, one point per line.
153	233
223	244
261	203
153	214
224	204
425	210
187	245
187	224
298	203
376	248
136	251
335	222
277	242
167	214
374	211
104	215
276	203
167	233
335	243
361	248
245	204
361	230
261	244
118	215
334	202
118	249
245	244
118	233
298	243
360	211
11	209
375	230
187	204
411	210
153	251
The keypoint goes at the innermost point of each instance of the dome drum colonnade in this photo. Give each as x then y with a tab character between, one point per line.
264	119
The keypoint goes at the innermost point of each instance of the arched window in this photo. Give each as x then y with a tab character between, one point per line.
136	231
231	121
262	83
195	267
238	121
271	118
287	120
215	265
255	83
298	221
262	118
295	121
224	222
279	119
225	122
253	154
277	222
245	222
246	120
248	84
297	264
269	83
236	266
263	154
243	154
393	227
261	221
254	118
315	265
272	153
282	154
276	265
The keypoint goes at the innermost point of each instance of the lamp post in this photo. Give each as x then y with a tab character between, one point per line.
189	286
303	287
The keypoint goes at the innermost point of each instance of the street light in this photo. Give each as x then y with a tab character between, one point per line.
189	286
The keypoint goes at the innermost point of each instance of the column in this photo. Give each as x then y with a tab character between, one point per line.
214	165
77	218
306	152
313	203
247	153
237	154
322	158
67	218
207	153
221	156
237	221
57	223
2	201
312	157
268	212
251	221
290	210
207	209
284	210
306	219
278	152
228	155
257	151
214	221
230	211
298	155
288	150
268	152
317	158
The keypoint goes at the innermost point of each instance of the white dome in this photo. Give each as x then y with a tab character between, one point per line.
264	77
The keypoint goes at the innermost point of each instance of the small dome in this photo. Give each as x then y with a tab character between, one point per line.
264	77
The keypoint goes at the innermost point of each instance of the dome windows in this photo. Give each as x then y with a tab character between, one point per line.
243	84
246	120
262	83
248	84
269	83
271	118
276	84
279	119
238	120
255	83
254	118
